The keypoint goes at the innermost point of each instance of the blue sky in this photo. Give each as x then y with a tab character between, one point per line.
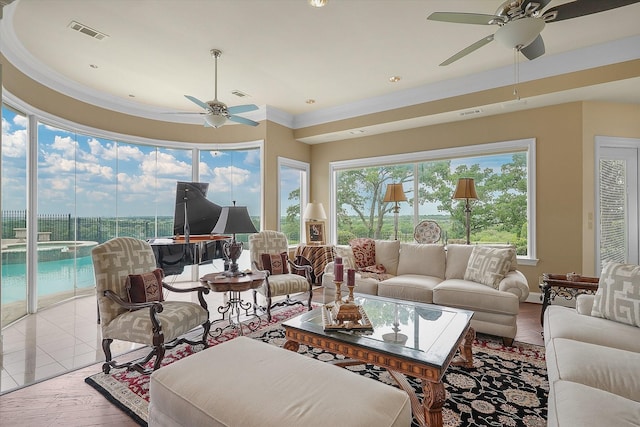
88	176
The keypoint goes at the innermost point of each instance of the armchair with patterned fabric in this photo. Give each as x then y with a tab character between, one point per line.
131	305
269	252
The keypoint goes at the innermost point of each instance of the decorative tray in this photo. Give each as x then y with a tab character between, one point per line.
332	324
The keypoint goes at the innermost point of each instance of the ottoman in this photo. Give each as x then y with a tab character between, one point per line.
245	382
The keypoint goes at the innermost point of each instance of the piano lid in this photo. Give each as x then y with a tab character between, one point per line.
202	214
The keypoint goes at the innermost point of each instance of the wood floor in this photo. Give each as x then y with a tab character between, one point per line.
68	401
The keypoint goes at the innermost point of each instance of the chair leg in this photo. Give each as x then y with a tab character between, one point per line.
310	296
106	348
159	351
205	333
269	308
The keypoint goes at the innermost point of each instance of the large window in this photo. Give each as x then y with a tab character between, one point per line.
84	187
504	179
292	196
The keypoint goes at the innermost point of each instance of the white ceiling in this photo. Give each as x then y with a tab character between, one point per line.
284	52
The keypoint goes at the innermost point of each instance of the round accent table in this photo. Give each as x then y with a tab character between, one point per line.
230	311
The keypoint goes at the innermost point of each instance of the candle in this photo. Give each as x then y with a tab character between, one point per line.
338	260
351	277
338	270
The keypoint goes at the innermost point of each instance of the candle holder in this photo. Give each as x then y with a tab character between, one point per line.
345	314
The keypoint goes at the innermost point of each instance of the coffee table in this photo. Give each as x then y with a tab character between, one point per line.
408	338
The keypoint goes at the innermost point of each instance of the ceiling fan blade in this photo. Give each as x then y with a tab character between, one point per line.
467	50
534	49
242	120
242	108
586	7
462	18
198	102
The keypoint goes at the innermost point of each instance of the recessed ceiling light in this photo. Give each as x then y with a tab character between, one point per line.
318	3
94	66
356	132
131	95
310	101
394	79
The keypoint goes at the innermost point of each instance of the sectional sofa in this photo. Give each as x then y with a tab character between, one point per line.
593	362
434	273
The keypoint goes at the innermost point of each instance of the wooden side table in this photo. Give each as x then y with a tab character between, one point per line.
319	256
557	285
217	282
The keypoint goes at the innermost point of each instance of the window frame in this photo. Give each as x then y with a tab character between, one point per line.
527	145
304	189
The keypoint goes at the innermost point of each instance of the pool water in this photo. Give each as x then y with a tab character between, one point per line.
53	277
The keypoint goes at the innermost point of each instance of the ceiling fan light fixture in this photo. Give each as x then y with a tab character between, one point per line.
318	3
215	120
520	33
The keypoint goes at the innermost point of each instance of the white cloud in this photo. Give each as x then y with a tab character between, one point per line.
14	144
225	178
20	120
66	144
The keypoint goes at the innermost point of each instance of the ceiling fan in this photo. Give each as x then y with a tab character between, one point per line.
217	113
520	22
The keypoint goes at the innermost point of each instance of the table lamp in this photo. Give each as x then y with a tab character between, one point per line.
233	219
466	190
314	212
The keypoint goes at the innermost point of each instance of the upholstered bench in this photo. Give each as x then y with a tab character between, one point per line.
245	382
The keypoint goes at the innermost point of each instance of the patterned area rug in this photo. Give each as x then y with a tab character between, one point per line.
506	387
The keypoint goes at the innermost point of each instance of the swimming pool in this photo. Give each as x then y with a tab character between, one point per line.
53	277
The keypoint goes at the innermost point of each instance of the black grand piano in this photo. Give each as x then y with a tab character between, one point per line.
192	243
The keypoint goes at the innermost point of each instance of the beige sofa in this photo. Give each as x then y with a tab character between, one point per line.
433	273
593	365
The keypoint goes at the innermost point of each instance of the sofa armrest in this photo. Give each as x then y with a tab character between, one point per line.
516	283
328	268
584	304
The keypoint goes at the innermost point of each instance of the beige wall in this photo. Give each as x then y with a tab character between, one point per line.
562	136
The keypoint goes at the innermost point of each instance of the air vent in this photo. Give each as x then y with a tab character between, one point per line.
238	93
471	112
81	28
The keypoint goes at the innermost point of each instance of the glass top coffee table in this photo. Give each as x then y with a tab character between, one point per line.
408	338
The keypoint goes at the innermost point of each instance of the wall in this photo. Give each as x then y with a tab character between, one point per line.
560	132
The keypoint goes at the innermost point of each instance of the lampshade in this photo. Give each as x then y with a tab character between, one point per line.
466	189
234	219
394	193
519	33
314	211
215	120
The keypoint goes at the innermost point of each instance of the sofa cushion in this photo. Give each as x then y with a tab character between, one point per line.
475	296
387	252
458	258
565	322
488	265
618	294
364	251
573	404
610	369
409	287
424	259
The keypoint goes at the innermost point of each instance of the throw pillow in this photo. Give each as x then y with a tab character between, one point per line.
488	265
364	251
618	294
275	264
346	253
145	287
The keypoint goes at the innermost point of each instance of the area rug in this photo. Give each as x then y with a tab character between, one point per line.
506	387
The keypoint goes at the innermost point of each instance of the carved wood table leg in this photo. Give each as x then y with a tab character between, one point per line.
291	345
465	355
433	401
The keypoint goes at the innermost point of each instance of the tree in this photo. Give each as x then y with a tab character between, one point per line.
362	191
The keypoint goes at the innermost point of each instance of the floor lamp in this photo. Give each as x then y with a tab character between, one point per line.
395	194
466	190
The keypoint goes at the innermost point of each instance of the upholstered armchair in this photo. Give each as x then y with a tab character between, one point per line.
131	305
269	252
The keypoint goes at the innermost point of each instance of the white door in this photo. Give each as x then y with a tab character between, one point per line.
617	234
